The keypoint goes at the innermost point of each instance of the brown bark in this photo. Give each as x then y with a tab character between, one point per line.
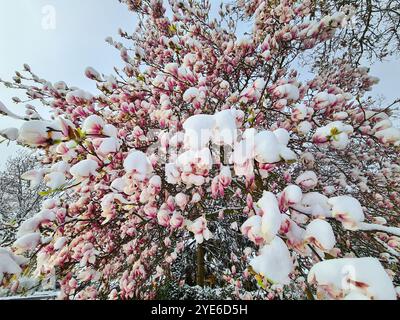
200	274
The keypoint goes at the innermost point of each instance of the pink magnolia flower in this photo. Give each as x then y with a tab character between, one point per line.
200	230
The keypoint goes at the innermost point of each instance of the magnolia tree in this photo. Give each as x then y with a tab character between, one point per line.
18	199
214	160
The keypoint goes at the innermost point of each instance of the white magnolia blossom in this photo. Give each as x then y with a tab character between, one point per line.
337	133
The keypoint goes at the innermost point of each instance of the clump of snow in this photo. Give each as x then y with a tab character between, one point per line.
290	196
252	229
320	234
27	242
60	243
84	169
307	180
10	263
78	97
315	204
138	164
34	133
225	130
348	210
9	134
55	180
271	147
274	262
287	91
389	135
337	278
198	131
272	218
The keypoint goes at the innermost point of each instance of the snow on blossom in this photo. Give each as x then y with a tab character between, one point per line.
200	159
181	200
78	97
337	133
108	145
307	180
164	217
271	147
84	169
6	112
225	130
337	278
389	135
108	209
299	113
348	210
290	196
191	94
252	229
138	164
27	242
274	262
31	225
287	91
198	131
55	180
10	263
315	204
267	147
272	218
119	184
304	128
60	243
293	232
35	177
243	154
324	99
200	229
320	233
172	173
225	176
9	134
93	125
35	133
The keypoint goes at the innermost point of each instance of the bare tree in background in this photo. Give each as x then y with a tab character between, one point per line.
17	200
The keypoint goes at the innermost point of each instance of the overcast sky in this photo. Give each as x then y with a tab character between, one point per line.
63	50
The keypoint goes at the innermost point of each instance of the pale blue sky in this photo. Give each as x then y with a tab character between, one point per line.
77	41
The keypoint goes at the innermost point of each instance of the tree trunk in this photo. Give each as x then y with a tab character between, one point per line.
200	274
